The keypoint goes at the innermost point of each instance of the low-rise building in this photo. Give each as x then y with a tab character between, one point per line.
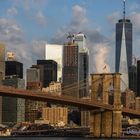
128	99
54	88
55	115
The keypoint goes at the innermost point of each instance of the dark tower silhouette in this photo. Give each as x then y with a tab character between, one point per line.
14	68
49	71
138	78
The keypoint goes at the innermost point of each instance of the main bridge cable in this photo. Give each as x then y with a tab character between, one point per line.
82	81
70	89
76	84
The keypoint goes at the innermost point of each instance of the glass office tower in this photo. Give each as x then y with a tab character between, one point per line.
123	45
123	50
123	58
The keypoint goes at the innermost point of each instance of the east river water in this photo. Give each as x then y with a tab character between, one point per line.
44	138
48	138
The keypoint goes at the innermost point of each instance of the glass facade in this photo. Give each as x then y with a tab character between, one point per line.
83	66
138	78
13	109
50	71
123	50
127	25
133	78
14	68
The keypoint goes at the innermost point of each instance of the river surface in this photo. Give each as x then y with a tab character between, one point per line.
43	138
48	138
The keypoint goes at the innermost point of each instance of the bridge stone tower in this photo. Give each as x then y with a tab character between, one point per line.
104	122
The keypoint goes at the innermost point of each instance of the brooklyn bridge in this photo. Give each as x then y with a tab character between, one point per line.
105	117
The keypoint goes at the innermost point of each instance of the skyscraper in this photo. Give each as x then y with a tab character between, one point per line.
70	69
83	64
54	52
13	109
14	106
14	68
138	78
133	78
32	108
49	71
123	47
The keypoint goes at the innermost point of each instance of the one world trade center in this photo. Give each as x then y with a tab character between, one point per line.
123	58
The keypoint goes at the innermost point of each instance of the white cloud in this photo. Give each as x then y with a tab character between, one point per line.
29	5
100	58
40	18
134	6
135	17
79	12
12	11
79	16
10	31
113	18
12	35
79	23
38	47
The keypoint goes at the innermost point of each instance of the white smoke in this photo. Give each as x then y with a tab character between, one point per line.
100	58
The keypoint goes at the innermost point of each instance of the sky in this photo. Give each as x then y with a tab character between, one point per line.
27	25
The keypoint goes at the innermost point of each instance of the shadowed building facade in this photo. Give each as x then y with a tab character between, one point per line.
138	78
13	106
49	71
13	109
14	68
133	78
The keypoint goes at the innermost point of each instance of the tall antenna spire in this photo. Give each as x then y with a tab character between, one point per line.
123	9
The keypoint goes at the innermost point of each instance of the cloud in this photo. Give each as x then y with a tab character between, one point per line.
38	47
135	17
79	15
10	31
79	23
29	5
134	6
100	58
113	18
13	37
40	18
12	11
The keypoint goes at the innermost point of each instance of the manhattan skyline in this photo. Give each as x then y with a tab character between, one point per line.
25	27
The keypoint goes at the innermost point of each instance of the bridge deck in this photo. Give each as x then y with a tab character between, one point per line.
67	100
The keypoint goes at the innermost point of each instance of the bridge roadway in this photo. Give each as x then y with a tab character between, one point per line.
66	100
